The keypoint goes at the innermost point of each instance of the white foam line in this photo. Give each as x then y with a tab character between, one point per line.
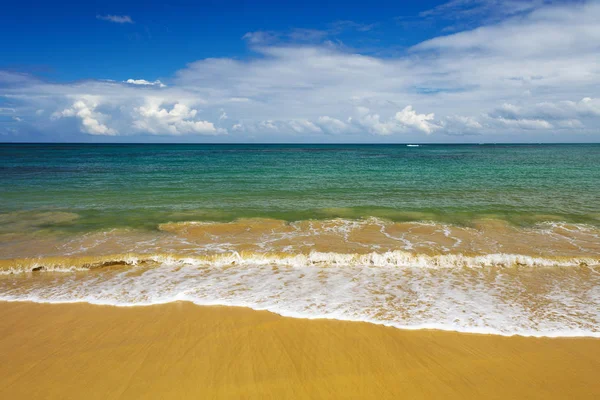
386	259
394	289
577	333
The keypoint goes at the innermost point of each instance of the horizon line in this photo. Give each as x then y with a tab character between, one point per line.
303	143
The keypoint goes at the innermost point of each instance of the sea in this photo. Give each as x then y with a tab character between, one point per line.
490	239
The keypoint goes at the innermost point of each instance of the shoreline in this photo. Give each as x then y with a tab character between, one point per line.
423	328
181	350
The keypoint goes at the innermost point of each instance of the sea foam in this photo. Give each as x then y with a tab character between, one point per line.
494	294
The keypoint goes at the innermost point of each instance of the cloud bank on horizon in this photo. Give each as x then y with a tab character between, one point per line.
532	73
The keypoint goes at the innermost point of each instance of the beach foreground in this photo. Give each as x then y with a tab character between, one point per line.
181	350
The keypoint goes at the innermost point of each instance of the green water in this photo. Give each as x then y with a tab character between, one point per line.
143	185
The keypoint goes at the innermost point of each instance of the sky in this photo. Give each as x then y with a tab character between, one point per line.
224	71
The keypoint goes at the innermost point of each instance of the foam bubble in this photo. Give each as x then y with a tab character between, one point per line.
495	294
395	258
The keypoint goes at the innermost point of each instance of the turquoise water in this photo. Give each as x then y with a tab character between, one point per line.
143	185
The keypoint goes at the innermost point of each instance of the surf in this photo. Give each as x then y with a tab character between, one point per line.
502	294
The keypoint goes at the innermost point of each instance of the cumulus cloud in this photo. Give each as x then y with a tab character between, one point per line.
144	82
332	125
402	121
118	19
586	107
304	126
460	125
85	110
422	122
178	120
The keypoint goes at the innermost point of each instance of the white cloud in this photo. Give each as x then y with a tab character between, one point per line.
332	125
508	110
570	123
119	19
460	125
522	123
144	82
306	35
409	117
585	107
260	37
304	126
465	122
566	114
84	109
301	127
179	120
535	35
268	125
530	76
372	122
406	119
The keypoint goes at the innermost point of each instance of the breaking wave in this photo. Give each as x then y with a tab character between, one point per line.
504	294
388	259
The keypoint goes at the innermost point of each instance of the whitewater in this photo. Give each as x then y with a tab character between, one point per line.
501	294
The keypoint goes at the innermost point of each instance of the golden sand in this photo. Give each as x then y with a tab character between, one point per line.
180	350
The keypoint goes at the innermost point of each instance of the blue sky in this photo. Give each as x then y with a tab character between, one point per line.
326	71
68	42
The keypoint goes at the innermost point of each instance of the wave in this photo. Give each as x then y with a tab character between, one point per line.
328	259
502	294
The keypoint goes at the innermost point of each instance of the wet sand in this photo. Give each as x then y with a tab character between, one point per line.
180	350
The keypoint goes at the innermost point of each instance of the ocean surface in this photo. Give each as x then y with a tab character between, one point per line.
500	239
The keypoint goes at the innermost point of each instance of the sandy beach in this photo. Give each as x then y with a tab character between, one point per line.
180	350
300	200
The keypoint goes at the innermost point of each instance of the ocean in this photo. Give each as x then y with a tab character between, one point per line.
499	239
